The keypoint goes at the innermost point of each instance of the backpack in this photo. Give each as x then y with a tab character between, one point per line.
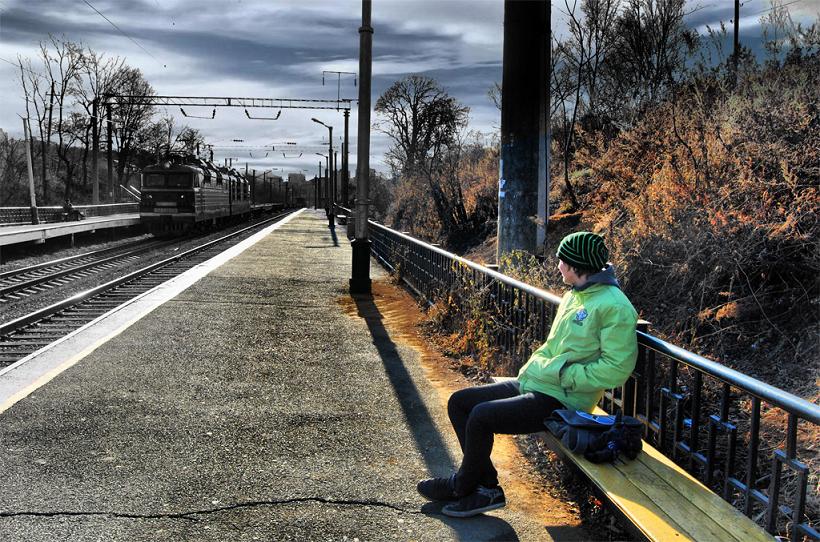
602	439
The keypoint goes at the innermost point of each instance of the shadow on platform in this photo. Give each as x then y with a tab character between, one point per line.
428	440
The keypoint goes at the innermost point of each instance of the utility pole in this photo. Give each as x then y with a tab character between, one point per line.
319	184
331	183
526	27
316	188
331	167
35	218
360	279
735	50
110	150
345	163
95	151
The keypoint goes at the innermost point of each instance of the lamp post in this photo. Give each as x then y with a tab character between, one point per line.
331	217
360	279
327	174
316	186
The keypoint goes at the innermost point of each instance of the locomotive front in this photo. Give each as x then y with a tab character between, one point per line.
169	196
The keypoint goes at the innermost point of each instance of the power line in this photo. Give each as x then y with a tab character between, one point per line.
777	7
123	33
18	66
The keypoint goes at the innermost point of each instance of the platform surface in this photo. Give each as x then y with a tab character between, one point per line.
10	235
244	403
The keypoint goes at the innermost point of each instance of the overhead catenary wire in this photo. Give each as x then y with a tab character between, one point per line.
776	7
123	33
16	65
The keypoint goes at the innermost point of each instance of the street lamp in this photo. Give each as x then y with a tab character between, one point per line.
332	185
327	183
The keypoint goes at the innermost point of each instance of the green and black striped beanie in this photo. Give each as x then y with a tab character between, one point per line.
584	250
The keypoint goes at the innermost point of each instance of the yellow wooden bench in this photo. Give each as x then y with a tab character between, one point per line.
660	500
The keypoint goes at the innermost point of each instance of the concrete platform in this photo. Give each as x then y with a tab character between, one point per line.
10	235
239	402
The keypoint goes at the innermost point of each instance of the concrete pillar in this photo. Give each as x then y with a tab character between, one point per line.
526	28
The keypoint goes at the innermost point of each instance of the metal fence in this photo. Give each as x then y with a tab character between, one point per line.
720	425
22	215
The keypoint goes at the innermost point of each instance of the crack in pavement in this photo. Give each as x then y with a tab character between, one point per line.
188	515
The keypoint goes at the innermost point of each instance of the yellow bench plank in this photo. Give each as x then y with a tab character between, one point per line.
709	503
649	518
662	500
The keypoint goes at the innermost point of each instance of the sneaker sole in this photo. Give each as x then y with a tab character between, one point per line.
429	498
470	513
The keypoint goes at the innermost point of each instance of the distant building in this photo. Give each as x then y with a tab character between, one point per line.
296	177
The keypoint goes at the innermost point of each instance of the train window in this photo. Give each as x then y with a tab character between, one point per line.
179	180
153	180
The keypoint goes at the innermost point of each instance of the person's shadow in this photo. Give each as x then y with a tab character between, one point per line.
429	441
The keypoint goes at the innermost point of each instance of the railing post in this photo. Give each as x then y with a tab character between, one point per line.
629	399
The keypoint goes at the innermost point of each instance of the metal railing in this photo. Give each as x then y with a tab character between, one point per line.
715	422
48	214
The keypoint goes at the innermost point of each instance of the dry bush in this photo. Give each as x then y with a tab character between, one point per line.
711	203
469	185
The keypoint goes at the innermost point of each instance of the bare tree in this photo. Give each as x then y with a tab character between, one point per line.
130	118
98	78
64	71
563	88
187	140
421	119
649	56
49	93
39	103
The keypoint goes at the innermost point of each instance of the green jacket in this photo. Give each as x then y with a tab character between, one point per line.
591	347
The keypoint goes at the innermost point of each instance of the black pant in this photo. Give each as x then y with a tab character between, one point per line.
478	413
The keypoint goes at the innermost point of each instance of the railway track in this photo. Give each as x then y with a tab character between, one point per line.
32	280
29	333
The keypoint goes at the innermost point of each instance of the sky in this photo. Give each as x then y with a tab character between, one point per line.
279	49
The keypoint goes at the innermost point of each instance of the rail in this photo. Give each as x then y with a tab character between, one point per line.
718	423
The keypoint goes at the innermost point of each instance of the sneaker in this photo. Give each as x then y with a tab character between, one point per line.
438	489
483	499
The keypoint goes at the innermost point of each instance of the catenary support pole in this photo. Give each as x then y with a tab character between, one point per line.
525	28
331	217
95	153
345	163
321	195
110	150
35	217
735	51
360	281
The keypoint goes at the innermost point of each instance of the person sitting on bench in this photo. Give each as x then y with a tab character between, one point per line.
70	213
592	346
